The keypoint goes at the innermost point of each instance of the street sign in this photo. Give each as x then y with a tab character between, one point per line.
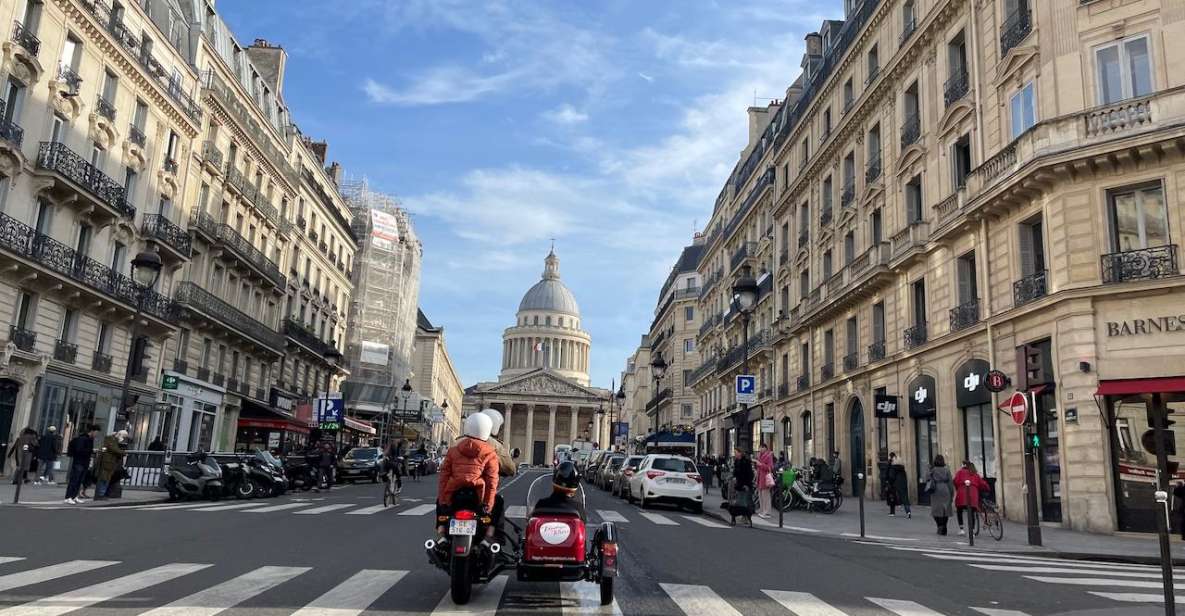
331	412
1018	406
169	381
746	389
767	426
886	406
997	381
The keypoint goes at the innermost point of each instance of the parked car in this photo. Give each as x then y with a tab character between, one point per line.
670	479
592	469
610	471
360	463
585	464
621	483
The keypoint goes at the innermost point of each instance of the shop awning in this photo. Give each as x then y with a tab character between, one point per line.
1127	387
359	426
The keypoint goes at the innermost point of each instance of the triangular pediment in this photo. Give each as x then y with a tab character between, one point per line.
542	382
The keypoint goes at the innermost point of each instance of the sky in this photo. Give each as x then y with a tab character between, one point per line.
609	126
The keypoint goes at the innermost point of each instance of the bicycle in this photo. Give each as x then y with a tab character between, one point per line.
991	520
391	489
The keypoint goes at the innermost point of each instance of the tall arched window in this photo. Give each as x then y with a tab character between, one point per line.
548	321
808	441
788	438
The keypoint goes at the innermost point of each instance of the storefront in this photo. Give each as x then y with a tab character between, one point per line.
265	426
977	417
194	409
69	401
923	409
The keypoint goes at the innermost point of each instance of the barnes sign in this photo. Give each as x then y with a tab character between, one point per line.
1139	327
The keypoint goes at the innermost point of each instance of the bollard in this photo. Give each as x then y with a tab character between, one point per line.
782	508
860	485
1166	557
971	519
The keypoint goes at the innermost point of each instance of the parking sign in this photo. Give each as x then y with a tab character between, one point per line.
746	389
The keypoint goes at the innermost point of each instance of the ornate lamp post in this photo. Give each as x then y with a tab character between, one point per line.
744	297
145	273
404	393
659	367
332	356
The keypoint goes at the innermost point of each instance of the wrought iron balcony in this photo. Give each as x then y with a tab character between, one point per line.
851	361
24	339
803	237
136	136
876	351
1029	288
202	374
211	154
915	336
250	254
825	215
910	130
25	38
65	351
873	73
303	334
746	250
1142	264
804	382
1016	27
827	371
909	27
193	297
232	384
873	170
783	390
104	108
62	160
301	222
160	228
9	130
955	87
72	79
218	379
101	362
169	165
180	366
848	195
964	315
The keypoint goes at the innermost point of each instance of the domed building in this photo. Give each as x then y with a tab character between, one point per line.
543	388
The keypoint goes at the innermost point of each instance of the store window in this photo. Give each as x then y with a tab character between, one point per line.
975	405
201	426
788	438
808	442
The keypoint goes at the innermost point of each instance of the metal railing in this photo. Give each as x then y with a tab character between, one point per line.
909	26
169	165
161	228
783	390
136	136
911	129
803	382
25	38
72	79
1016	27
827	371
745	250
56	157
303	334
964	315
9	130
851	361
65	351
956	87
24	339
1142	264
104	108
252	255
192	296
1029	288
915	336
101	362
211	154
876	351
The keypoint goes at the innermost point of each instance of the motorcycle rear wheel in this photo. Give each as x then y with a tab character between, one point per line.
245	489
460	586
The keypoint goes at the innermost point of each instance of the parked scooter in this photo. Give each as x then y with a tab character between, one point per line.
267	476
300	473
235	481
200	476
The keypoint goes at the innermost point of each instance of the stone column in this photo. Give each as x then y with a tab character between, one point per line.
575	423
550	430
530	448
507	435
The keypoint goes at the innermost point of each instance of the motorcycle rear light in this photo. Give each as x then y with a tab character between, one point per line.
442	518
654	474
460	549
609	550
696	477
465	515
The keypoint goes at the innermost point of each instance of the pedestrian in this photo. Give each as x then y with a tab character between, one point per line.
1179	507
898	489
836	464
325	465
80	450
48	449
110	462
765	479
941	488
22	453
156	445
968	484
741	503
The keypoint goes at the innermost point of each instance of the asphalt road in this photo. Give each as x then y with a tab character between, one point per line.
341	553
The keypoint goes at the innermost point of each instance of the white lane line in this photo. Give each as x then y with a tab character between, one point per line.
9	559
991	611
1099	582
954	554
1071	571
103	591
1135	597
1044	561
368	510
419	510
354	595
610	515
484	601
228	594
697	600
661	520
165	507
52	572
585	599
324	509
282	507
517	511
704	521
880	537
227	507
803	603
904	608
771	524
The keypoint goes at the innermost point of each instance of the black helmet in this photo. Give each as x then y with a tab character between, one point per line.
566	477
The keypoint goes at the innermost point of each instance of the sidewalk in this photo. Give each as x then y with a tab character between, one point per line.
920	531
54	495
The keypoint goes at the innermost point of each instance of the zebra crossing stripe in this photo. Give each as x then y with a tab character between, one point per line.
226	595
661	520
282	507
1134	597
9	559
704	521
583	599
696	600
373	509
803	603
991	611
52	572
902	607
323	509
517	511
879	537
354	595
1025	560
227	507
419	510
101	592
484	602
1071	571
759	521
1099	582
610	515
165	507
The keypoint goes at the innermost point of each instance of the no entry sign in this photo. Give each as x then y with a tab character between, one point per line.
1018	406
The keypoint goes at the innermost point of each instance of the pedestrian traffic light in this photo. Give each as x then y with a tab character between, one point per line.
1035	440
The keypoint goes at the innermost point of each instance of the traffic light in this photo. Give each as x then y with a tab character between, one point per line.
1035	440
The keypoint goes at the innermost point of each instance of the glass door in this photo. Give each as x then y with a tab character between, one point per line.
1049	467
926	446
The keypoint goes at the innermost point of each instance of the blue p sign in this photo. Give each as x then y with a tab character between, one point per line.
746	389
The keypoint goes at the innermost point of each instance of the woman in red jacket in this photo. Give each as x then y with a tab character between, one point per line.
968	497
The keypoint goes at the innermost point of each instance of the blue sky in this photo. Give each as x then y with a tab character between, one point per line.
609	126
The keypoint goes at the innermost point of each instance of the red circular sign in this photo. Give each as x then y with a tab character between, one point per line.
1018	407
996	381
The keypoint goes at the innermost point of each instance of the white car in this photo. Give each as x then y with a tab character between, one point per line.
663	478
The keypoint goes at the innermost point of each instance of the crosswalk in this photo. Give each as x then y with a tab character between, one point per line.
80	587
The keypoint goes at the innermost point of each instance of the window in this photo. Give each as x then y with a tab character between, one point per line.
980	442
874	62
808	441
913	200
182	344
688	313
848	94
58	130
908	18
829	415
829	348
130	177
826	122
804	358
804	223
44	217
1123	70
806	151
24	310
853	337
849	247
14	97
110	87
83	247
689	345
1032	247
827	189
827	265
882	429
69	325
140	115
961	160
71	50
878	322
1138	218
966	276
103	343
1024	110
118	254
804	284
171	147
876	227
686	411
207	346
919	302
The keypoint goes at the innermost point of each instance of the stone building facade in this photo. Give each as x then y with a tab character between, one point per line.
673	337
436	379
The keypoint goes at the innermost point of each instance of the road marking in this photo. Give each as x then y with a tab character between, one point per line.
419	510
697	600
1072	571
9	559
1099	582
704	521
323	509
880	537
1032	560
991	611
228	594
1134	597
52	572
102	592
904	608
803	603
770	524
162	507
282	507
368	510
354	595
517	511
484	601
661	520
585	599
610	515
227	507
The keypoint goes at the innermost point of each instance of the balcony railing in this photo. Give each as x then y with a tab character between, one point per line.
803	382
136	136
964	315
873	171
956	87
873	73
910	130
24	339
783	390
827	371
192	296
169	165
301	333
851	361
745	250
72	79
104	108
1119	117
211	154
876	351
9	130
915	336
158	227
1016	27
60	159
25	38
101	362
1029	288
65	351
910	25
1142	264
249	253
848	195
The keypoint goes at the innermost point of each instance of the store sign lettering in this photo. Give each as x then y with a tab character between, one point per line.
1138	327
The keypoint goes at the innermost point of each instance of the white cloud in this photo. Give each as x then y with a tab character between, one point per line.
648	78
440	85
565	114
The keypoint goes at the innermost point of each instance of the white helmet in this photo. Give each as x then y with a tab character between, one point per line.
497	419
478	426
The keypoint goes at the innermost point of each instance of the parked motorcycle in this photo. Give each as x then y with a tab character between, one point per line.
810	493
235	481
267	473
200	476
301	475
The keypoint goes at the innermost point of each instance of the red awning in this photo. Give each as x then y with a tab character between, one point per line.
1127	387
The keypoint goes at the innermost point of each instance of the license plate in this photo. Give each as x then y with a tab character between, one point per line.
674	480
462	527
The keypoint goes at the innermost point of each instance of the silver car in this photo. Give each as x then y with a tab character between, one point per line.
610	471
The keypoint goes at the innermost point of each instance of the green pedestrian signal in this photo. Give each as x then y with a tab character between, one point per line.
1035	441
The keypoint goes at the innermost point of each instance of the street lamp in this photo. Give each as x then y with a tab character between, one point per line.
744	297
444	413
332	356
659	367
145	274
405	392
618	402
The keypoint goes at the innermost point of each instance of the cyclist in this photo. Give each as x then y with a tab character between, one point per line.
393	467
968	498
